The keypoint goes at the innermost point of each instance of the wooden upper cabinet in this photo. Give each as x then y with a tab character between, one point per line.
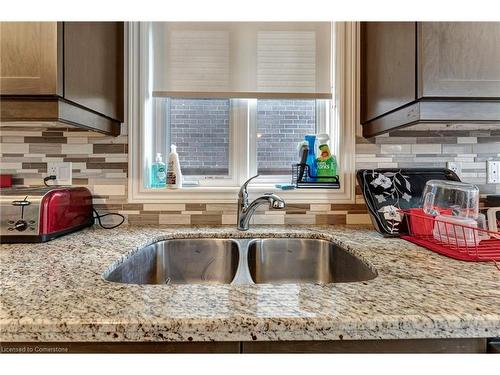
459	59
385	53
429	72
28	58
66	72
93	60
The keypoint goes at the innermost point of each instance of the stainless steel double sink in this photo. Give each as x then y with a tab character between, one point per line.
241	261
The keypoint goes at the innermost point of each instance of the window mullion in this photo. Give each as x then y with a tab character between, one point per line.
252	136
239	140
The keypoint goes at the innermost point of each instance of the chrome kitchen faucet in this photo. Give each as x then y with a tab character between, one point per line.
246	210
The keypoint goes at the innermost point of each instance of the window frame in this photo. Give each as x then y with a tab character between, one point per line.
344	111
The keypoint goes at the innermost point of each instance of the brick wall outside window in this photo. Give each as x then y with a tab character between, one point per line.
200	130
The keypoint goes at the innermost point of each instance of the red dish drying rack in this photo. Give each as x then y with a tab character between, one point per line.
482	246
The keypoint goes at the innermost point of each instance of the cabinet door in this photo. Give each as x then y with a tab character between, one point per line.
93	66
459	59
28	58
387	67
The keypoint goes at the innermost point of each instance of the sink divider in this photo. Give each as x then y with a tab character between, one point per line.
242	276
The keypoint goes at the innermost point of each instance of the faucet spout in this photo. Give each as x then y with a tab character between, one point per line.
246	210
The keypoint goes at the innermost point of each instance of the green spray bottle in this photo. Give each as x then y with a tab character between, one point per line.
326	164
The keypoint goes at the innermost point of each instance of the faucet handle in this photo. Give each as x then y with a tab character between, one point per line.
243	190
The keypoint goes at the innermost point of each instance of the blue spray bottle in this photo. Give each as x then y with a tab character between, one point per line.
311	155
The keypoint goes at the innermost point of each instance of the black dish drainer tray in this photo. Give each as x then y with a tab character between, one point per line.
301	173
387	190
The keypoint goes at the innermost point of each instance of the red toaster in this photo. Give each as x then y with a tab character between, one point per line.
42	214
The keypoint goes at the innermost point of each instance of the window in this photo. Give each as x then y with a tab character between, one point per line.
235	98
199	72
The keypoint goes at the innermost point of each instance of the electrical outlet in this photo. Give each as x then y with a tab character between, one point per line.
455	166
62	171
493	171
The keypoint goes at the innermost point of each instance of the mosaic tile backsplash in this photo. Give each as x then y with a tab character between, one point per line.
100	163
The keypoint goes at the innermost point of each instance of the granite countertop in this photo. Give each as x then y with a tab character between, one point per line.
55	292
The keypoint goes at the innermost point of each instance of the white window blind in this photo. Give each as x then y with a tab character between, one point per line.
242	59
197	60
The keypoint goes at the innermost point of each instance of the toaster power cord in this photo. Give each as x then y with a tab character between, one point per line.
99	217
48	178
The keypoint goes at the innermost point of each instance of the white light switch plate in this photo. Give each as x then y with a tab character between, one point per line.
493	171
62	171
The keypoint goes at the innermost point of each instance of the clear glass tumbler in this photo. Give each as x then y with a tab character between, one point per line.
461	198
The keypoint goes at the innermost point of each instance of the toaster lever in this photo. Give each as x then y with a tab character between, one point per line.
21	203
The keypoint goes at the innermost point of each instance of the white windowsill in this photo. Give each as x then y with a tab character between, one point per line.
229	194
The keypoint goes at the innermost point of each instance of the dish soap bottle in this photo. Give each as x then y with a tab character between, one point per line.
326	163
174	174
158	173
